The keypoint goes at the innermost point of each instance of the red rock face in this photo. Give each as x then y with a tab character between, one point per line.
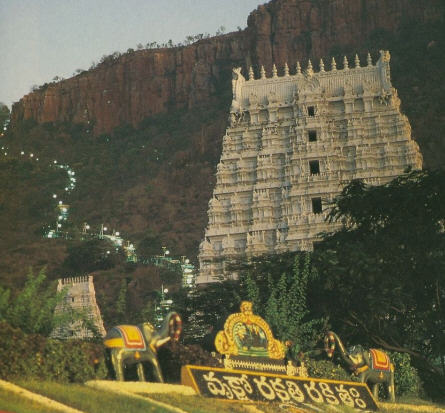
148	82
291	30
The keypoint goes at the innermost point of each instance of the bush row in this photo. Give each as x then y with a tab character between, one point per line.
32	355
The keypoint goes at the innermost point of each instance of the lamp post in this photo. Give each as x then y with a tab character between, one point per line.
85	228
102	230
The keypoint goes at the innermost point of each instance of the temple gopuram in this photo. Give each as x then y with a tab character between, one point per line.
81	297
293	142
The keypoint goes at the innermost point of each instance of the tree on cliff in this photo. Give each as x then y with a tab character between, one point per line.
382	275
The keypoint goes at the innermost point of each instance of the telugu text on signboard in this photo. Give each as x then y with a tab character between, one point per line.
249	386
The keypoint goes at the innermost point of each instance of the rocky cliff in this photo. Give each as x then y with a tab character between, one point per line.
147	82
287	30
137	85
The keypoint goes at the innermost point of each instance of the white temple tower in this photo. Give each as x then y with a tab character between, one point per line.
292	144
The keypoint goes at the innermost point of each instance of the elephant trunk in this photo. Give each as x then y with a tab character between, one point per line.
332	338
170	330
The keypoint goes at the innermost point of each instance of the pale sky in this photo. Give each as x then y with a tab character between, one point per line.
41	39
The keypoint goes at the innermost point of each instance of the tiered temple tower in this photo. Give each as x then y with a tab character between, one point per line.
80	296
292	144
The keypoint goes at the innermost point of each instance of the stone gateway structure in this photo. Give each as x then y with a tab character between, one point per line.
81	296
292	144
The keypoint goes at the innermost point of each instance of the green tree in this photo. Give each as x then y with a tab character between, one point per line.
149	245
206	309
221	30
282	302
382	275
88	256
32	309
252	289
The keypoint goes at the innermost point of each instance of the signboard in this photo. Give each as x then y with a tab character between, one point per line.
247	386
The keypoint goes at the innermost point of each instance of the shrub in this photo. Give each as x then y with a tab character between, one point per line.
326	369
34	356
174	355
406	378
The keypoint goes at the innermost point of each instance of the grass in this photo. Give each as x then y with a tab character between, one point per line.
199	404
411	405
12	402
90	400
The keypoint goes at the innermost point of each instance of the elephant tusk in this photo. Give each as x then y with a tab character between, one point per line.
159	343
358	370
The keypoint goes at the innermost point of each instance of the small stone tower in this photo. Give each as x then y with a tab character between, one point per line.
80	296
292	144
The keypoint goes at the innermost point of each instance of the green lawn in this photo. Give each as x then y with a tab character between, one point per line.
411	405
12	402
199	404
90	400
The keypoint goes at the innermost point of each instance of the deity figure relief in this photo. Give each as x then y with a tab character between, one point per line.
250	339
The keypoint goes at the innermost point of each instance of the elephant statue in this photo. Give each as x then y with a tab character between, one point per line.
372	366
129	344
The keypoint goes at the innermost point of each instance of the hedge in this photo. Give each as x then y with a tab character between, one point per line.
35	356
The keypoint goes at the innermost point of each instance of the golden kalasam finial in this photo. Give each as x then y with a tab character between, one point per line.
246	307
